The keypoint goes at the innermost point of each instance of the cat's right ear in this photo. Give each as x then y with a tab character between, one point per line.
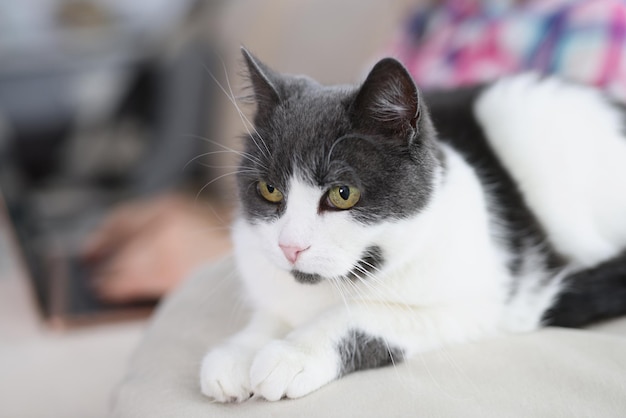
388	102
265	82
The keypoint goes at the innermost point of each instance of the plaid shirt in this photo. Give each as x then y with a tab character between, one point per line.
469	41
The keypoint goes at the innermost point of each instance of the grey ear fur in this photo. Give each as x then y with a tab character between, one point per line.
388	101
265	82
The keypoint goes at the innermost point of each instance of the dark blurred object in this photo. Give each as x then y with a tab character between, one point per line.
100	101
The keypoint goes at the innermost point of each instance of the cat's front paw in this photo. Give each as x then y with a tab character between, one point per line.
224	375
285	369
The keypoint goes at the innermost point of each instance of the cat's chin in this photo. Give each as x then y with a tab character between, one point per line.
306	278
366	266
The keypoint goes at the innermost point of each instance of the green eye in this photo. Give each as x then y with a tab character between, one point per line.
343	197
269	192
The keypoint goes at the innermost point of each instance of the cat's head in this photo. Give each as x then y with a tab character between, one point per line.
327	169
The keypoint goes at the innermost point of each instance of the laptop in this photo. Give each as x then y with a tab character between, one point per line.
47	236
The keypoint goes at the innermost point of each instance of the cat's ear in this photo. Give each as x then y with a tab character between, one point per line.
388	102
265	82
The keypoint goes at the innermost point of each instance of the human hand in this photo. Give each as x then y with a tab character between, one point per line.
145	248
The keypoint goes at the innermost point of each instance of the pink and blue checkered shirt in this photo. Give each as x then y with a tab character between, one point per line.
468	41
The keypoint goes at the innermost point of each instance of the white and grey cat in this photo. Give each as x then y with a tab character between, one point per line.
377	222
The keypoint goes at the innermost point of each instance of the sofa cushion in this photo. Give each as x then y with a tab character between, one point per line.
552	372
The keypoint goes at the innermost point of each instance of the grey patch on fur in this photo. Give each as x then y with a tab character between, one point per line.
306	278
359	351
371	260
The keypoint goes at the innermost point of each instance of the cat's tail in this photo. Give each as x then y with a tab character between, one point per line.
591	295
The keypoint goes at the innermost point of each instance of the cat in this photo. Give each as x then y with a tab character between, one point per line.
377	222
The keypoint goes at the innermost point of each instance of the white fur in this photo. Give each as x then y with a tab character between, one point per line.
564	146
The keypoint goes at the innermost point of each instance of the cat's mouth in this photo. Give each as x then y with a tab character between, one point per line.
365	267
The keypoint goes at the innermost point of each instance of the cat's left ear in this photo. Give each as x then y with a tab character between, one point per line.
388	101
265	82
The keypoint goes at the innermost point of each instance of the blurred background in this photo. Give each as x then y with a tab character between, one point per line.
118	139
115	163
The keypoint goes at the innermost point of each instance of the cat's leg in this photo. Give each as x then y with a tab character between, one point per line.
590	295
225	370
361	336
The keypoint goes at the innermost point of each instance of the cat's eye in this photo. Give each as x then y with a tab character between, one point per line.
269	192
343	197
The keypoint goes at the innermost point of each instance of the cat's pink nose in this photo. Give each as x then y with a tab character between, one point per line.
292	252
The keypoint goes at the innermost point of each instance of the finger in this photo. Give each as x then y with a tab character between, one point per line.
131	275
115	229
115	289
118	284
129	219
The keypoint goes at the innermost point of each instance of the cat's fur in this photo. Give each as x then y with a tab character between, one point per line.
483	211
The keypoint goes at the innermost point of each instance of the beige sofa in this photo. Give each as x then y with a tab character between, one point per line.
550	373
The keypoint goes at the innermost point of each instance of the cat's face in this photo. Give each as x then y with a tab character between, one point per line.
327	169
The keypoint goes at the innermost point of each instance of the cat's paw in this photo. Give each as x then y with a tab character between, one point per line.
285	369
224	375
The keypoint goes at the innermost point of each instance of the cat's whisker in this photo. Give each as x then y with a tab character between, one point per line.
206	154
352	290
336	284
380	296
370	265
242	115
226	224
380	288
372	278
237	108
355	289
361	279
242	170
361	294
242	154
369	273
216	179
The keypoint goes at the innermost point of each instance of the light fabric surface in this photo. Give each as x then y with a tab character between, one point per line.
550	373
